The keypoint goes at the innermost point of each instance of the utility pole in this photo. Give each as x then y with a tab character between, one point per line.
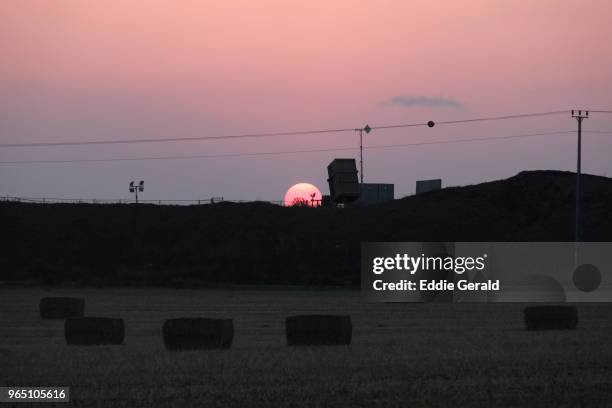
366	129
579	116
361	154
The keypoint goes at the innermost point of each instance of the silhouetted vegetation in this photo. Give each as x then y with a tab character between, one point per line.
261	243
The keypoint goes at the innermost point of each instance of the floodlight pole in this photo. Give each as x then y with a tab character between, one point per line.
135	187
579	116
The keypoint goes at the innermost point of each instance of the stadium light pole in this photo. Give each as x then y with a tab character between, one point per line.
135	188
579	116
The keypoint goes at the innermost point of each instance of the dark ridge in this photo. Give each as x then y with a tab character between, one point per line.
261	243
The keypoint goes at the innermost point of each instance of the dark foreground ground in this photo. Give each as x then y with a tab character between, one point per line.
402	354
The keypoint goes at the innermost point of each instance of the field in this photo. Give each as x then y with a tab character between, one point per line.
402	354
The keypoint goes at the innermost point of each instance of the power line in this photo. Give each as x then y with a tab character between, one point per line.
274	153
270	134
205	156
174	139
483	119
473	139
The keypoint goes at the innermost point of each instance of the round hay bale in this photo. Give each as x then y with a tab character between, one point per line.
318	330
61	307
94	330
551	317
587	277
198	333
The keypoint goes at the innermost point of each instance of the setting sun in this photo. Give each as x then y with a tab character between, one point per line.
302	194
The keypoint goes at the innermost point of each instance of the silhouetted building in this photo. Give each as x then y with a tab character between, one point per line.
343	182
375	193
423	186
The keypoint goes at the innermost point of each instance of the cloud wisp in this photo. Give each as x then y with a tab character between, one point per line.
425	101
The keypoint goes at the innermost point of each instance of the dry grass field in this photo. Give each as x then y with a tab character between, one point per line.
406	355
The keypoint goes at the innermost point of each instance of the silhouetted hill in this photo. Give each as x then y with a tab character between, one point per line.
258	243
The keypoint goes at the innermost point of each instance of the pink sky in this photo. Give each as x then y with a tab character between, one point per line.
74	70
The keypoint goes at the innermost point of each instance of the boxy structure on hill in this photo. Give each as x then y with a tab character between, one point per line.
375	193
423	186
343	181
344	186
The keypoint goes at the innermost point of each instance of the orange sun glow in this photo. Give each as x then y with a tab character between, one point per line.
302	194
